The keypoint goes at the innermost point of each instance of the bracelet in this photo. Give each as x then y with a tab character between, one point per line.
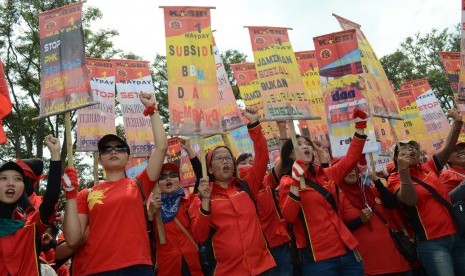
149	110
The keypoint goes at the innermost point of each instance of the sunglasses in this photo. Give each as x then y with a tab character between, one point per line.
117	149
164	176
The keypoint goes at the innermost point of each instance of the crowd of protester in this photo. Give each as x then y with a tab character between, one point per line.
309	214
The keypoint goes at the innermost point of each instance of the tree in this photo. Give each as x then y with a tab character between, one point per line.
20	52
232	57
418	57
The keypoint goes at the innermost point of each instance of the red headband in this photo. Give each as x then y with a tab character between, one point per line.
29	172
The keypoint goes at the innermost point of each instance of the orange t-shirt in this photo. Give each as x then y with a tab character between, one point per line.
117	228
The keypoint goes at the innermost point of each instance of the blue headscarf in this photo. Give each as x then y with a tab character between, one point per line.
170	205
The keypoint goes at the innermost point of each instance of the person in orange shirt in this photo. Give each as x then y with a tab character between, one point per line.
326	245
117	240
224	204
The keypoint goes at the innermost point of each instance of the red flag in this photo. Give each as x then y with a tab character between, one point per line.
5	102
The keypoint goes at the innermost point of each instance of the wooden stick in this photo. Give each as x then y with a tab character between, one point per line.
202	158
296	151
161	229
96	180
69	141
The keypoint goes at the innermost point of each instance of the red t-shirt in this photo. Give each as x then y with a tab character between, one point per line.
429	218
117	228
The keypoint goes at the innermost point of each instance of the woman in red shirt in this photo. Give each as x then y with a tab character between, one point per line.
179	255
326	244
238	242
117	240
439	248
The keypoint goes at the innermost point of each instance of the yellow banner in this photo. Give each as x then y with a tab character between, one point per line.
318	129
282	91
192	83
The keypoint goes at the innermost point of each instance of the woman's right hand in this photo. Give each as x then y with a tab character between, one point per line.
154	205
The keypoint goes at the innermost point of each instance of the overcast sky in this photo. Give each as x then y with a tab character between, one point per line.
386	23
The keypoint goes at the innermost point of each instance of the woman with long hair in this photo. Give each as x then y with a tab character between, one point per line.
319	211
117	242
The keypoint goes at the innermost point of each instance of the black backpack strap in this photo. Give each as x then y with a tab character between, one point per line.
149	225
244	186
325	193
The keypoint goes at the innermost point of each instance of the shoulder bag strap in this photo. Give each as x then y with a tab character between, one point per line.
435	194
325	193
184	230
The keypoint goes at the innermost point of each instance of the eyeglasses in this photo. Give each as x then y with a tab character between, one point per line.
222	158
164	176
117	148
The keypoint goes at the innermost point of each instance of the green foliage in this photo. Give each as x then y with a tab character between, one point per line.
20	54
232	57
418	57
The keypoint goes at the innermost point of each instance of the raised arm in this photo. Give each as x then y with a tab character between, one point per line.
195	162
200	213
406	193
260	164
74	223
161	143
442	155
48	206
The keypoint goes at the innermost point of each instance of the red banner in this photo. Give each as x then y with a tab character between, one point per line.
451	63
93	122
64	83
132	77
5	103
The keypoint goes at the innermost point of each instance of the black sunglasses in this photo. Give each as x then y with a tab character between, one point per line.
117	148
164	176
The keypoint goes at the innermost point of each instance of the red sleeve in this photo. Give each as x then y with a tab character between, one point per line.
147	185
200	221
260	164
339	171
81	202
270	180
349	212
393	182
288	202
450	180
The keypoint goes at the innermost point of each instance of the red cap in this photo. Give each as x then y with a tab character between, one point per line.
170	167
